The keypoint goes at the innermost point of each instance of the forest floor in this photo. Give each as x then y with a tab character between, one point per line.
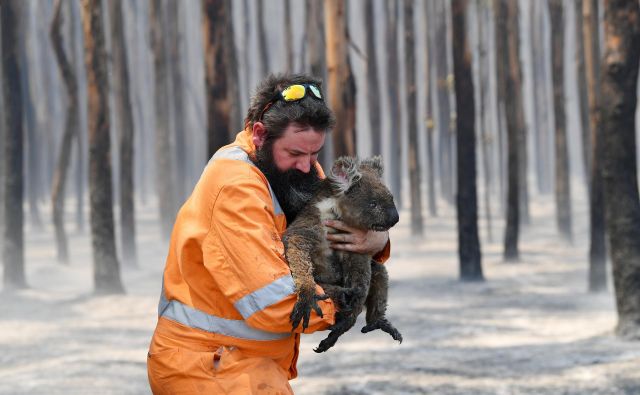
530	328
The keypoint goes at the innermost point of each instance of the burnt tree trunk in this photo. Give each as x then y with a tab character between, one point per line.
124	110
81	147
428	75
165	184
236	122
501	48
342	85
215	13
373	87
315	59
37	159
70	133
393	96
483	79
13	240
515	126
2	160
563	189
177	100
263	47
466	196
314	54
444	107
412	120
622	204
288	38
583	100
597	246
106	269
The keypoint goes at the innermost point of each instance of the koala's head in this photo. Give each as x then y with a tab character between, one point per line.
362	198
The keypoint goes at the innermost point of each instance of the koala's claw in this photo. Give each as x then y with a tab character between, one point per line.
302	310
384	325
326	344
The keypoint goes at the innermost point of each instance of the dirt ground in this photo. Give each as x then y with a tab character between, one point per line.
530	328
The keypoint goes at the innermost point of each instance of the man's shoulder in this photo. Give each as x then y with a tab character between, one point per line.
232	166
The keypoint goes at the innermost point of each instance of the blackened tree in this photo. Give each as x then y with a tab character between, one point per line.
466	197
619	100
106	272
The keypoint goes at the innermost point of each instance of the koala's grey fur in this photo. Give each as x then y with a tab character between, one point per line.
355	194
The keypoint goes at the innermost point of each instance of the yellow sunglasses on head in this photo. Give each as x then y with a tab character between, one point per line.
293	93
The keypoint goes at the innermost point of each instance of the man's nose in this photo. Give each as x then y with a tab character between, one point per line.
304	165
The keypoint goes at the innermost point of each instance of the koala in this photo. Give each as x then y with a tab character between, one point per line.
353	193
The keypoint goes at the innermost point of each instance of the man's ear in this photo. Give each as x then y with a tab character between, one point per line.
344	172
259	134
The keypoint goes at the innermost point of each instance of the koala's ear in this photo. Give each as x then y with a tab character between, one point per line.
374	164
344	172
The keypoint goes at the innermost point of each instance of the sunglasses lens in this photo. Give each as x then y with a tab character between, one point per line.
293	92
316	92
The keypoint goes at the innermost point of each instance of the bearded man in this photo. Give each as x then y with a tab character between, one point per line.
227	292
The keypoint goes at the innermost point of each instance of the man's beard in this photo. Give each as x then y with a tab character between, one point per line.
293	188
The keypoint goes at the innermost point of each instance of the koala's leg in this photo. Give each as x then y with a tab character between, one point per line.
377	302
345	320
341	296
297	249
357	276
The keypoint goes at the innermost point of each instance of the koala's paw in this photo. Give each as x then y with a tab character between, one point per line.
327	343
302	309
384	325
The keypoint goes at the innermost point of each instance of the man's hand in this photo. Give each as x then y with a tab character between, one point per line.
356	240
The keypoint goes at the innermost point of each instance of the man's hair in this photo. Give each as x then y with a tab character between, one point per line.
308	111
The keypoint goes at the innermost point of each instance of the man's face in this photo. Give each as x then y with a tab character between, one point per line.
289	165
298	148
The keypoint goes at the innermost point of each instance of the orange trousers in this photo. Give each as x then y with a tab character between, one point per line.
199	368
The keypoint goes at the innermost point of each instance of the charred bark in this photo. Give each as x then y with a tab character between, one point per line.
70	133
342	85
316	61
583	97
622	203
412	120
215	14
597	245
165	184
373	87
515	129
106	268
393	94
13	240
466	196
177	100
485	140
428	73
288	38
263	47
563	189
124	109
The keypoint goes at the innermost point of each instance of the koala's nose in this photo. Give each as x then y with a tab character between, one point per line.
392	215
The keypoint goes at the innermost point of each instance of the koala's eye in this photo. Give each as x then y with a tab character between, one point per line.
373	205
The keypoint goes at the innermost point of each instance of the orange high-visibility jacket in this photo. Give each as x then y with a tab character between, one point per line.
226	282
